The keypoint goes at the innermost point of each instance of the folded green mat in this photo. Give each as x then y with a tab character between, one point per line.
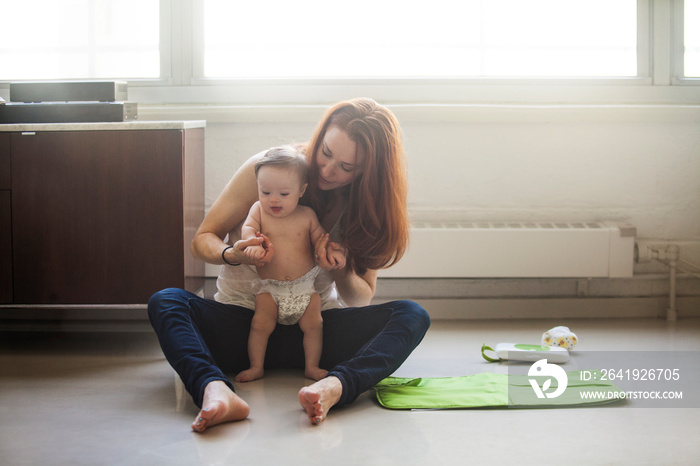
487	390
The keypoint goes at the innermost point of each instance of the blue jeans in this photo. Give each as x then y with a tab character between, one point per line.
203	340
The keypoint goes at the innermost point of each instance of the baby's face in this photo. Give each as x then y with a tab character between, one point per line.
279	190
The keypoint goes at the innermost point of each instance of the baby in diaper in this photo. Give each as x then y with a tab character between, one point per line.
285	292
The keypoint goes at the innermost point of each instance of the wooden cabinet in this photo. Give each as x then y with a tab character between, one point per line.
100	216
5	221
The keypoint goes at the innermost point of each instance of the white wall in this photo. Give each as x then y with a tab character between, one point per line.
638	164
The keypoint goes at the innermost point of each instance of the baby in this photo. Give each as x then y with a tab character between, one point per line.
285	292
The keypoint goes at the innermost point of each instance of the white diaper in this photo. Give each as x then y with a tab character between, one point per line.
292	297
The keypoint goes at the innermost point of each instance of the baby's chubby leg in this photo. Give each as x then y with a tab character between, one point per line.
262	325
311	323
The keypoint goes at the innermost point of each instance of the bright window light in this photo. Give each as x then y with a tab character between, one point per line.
79	39
691	28
440	38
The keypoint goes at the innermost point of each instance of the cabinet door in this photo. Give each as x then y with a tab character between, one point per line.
5	161
5	221
5	248
97	216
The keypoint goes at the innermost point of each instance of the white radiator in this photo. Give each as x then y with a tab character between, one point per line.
517	250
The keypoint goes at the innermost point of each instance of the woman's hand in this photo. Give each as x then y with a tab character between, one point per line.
329	255
237	255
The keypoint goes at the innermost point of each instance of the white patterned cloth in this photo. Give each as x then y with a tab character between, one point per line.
560	336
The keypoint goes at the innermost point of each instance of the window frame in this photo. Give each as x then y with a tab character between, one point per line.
659	80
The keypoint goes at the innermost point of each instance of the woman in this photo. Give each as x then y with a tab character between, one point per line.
357	186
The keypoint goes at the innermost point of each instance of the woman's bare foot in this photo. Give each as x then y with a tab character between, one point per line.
318	398
254	373
219	405
315	373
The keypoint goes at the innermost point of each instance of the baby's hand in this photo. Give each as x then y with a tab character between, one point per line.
336	255
254	253
329	255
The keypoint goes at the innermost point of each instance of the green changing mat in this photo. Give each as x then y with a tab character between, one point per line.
488	390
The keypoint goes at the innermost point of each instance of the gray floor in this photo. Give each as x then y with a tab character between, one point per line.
96	398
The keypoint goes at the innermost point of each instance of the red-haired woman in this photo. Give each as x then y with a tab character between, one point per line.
357	186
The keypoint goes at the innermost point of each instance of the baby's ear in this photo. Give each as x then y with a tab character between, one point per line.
303	189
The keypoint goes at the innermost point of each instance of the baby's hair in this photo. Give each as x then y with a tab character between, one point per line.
285	157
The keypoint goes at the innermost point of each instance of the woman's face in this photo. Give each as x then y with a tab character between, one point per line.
337	160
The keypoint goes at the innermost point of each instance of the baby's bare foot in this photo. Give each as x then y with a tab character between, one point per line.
318	398
220	405
315	373
254	373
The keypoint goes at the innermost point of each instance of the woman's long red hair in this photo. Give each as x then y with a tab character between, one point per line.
375	224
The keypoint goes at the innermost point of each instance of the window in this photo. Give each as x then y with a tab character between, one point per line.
78	39
311	51
691	40
393	38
